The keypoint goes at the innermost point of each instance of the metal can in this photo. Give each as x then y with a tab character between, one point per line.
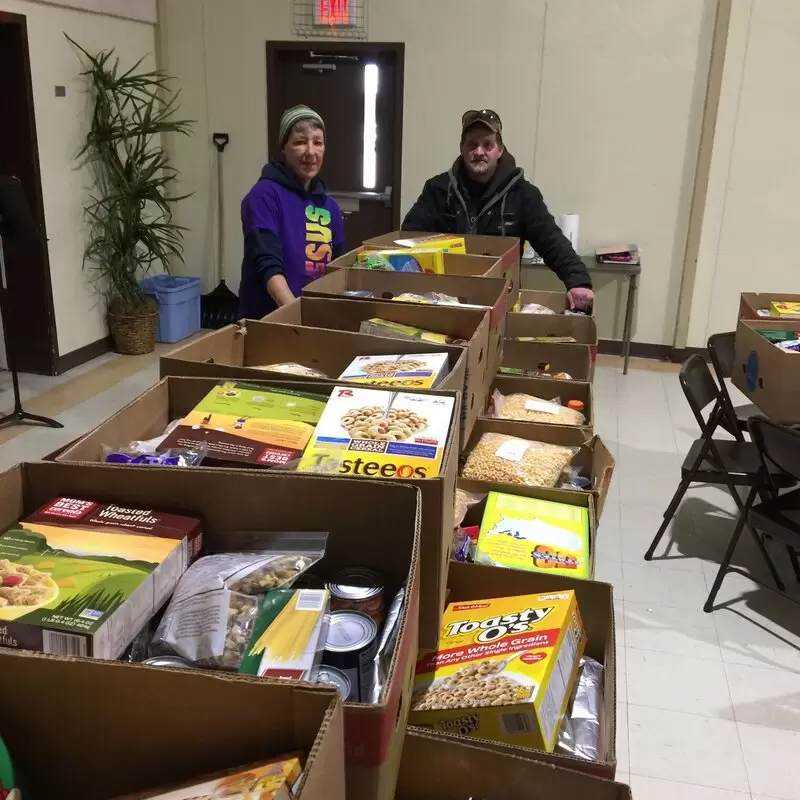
335	677
174	662
351	647
358	589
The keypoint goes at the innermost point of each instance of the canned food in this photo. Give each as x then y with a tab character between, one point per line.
335	677
174	662
358	589
351	647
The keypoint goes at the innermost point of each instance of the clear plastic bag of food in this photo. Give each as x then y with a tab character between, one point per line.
500	458
528	408
211	614
464	501
434	298
580	735
535	308
292	368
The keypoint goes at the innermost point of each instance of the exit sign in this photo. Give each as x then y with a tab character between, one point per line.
334	13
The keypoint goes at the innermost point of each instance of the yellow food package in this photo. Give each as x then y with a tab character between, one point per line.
397	330
785	310
540	535
438	241
504	669
377	433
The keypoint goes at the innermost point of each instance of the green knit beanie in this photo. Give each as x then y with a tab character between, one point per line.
292	116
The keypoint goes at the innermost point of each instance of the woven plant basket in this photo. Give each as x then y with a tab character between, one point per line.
133	334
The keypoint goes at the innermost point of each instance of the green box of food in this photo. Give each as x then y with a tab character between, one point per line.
79	578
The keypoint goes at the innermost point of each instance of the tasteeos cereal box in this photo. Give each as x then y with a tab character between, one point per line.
504	670
81	579
273	780
373	433
415	371
532	534
250	423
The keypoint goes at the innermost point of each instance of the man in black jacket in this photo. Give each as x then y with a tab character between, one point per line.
485	192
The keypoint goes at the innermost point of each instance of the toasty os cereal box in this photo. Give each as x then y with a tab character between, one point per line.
504	670
376	433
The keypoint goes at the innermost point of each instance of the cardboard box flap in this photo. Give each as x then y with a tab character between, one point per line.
445	767
104	701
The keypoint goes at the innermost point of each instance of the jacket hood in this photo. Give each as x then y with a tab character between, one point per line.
507	170
277	171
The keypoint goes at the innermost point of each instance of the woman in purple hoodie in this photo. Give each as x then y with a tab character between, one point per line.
292	229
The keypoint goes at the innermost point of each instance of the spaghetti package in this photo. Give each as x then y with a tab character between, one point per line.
211	615
288	636
292	368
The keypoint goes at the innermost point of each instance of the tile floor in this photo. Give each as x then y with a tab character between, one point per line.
708	704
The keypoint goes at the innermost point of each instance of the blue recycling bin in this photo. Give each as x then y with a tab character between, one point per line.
178	305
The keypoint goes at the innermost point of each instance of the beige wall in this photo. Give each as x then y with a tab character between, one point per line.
61	124
601	103
747	241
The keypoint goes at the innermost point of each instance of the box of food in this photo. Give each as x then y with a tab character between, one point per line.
378	434
546	360
504	669
87	586
421	371
766	373
416	260
250	423
270	780
533	534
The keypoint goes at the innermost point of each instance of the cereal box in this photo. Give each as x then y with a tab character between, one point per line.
244	423
440	241
504	670
81	579
415	371
373	433
532	534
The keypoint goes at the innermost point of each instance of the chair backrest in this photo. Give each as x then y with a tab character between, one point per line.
701	390
722	348
777	444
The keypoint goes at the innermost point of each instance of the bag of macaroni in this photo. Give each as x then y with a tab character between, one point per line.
504	670
374	433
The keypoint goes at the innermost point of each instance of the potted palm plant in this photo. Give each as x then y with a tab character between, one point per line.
129	213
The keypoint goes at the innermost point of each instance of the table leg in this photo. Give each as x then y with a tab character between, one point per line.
633	285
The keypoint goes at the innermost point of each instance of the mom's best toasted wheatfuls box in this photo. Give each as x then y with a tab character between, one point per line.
504	669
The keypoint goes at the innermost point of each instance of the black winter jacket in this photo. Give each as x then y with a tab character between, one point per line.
511	206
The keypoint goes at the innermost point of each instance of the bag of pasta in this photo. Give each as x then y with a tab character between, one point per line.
528	408
211	614
464	501
499	458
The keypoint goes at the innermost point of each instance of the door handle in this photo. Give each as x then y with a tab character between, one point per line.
385	196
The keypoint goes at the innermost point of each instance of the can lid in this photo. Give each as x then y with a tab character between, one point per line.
168	661
576	405
349	630
334	677
356	584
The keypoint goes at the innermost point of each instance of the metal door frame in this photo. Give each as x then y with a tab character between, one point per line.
398	49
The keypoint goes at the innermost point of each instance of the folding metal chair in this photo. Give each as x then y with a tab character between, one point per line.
722	349
713	461
777	515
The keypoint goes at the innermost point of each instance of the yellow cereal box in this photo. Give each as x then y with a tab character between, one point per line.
412	371
504	670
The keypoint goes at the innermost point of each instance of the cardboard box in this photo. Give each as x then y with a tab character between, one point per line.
769	376
227	500
468	582
442	767
582	329
750	303
546	389
471	325
148	415
236	350
574	359
530	647
584	500
481	291
593	460
506	248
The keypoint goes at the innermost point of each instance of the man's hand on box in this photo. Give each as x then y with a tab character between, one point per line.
580	299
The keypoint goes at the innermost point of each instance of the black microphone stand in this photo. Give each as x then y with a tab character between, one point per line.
16	223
